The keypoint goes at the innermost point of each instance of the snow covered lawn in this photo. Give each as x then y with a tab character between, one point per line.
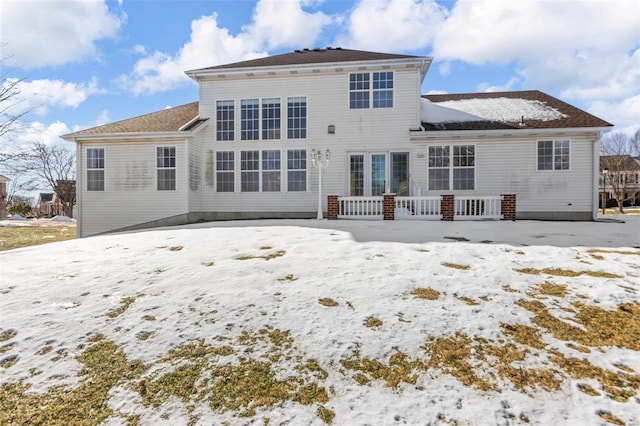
298	325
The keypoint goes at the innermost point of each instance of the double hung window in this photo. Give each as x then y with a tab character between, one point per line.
224	171
225	119
166	168
271	118
297	118
95	169
297	170
249	119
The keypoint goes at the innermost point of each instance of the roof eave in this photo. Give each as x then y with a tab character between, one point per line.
130	135
420	62
422	135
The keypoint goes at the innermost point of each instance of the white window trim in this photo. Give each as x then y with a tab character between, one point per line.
285	166
155	159
452	168
371	90
215	171
104	169
539	170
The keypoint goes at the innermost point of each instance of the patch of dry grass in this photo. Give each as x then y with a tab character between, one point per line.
373	322
12	237
625	252
398	369
7	334
104	366
425	293
125	302
523	334
619	327
327	301
567	272
456	266
610	418
551	289
469	301
276	254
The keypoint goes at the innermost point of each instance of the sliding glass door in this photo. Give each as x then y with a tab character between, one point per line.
377	173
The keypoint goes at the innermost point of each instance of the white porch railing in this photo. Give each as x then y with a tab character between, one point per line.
477	208
360	208
421	208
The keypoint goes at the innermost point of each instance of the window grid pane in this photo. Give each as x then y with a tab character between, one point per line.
249	119
439	168
271	118
359	90
296	170
95	169
463	167
224	120
383	89
356	171
297	118
545	155
250	171
166	173
225	171
270	171
561	155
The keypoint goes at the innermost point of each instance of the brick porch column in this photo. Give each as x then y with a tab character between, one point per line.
389	206
332	207
446	207
508	208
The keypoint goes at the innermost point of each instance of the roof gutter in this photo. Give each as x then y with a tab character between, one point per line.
423	135
121	136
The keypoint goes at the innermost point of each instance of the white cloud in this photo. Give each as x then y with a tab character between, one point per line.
40	132
624	114
211	45
37	96
501	31
587	51
486	87
393	25
103	118
41	33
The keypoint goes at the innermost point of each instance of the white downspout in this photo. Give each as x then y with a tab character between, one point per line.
596	176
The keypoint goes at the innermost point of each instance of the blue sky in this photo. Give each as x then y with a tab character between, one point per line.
86	63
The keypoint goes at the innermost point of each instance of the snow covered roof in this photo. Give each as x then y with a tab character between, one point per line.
500	110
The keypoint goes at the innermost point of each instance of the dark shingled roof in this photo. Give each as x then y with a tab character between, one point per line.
574	117
167	120
311	56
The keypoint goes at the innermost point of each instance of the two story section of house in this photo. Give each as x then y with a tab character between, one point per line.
244	150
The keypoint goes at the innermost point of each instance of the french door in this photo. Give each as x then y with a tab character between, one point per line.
376	173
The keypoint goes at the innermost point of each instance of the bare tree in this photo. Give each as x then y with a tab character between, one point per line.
53	165
618	167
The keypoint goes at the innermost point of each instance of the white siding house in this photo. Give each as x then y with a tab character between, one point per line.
244	149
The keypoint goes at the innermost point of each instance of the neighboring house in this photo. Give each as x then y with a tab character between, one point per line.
245	149
3	197
621	181
49	204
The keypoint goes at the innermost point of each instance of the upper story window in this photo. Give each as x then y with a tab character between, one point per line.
297	118
224	120
553	155
451	167
95	169
359	90
383	89
371	90
271	118
249	119
166	168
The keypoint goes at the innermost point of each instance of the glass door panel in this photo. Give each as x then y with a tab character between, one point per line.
378	174
400	173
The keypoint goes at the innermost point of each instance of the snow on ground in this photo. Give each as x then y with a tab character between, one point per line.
228	283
